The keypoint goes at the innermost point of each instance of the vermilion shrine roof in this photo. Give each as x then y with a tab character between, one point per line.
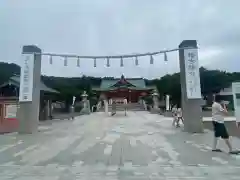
129	83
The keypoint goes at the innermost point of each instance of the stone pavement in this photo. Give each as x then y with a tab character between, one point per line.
139	146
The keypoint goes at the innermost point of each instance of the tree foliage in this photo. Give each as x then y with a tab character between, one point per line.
8	70
212	81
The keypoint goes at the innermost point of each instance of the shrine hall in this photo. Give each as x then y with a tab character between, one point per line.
124	88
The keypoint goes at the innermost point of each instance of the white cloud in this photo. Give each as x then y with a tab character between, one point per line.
108	27
209	56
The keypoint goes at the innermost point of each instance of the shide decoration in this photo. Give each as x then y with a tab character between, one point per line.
134	57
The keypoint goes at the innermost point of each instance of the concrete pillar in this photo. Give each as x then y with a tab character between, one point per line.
105	106
155	96
28	114
190	87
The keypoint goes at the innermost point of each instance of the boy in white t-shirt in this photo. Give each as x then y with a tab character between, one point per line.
179	116
218	112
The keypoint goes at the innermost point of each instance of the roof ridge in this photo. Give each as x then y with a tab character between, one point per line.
128	79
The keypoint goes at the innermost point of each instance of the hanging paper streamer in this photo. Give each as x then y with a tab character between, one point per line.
108	62
121	62
65	61
136	61
50	60
95	62
165	62
165	57
151	59
78	62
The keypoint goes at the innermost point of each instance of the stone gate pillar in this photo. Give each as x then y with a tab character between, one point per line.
190	87
29	95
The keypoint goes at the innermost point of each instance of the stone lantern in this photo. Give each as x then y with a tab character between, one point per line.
86	103
84	96
155	96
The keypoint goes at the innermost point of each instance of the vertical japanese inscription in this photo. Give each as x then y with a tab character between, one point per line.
192	74
26	80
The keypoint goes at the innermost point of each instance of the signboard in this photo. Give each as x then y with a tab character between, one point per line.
167	103
236	99
192	74
26	79
11	111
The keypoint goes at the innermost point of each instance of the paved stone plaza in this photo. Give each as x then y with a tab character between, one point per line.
139	146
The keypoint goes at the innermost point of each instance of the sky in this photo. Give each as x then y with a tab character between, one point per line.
115	27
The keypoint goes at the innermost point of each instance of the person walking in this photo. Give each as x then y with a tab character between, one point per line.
179	117
218	111
114	107
174	114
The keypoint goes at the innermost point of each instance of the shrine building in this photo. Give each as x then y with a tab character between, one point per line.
130	88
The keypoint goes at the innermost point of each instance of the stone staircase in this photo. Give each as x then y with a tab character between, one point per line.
130	107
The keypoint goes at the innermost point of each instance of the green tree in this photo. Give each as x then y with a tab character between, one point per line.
212	81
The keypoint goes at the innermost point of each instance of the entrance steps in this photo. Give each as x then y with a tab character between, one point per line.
130	107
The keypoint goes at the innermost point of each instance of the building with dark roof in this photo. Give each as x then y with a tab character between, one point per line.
14	83
9	94
130	88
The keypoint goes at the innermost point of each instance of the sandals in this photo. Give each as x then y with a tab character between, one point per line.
216	150
234	152
230	152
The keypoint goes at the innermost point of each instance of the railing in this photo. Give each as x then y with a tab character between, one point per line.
129	106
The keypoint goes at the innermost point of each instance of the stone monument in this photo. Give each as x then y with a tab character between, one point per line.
155	108
29	95
190	86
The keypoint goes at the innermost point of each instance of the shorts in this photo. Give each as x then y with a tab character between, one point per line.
220	130
180	118
238	124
